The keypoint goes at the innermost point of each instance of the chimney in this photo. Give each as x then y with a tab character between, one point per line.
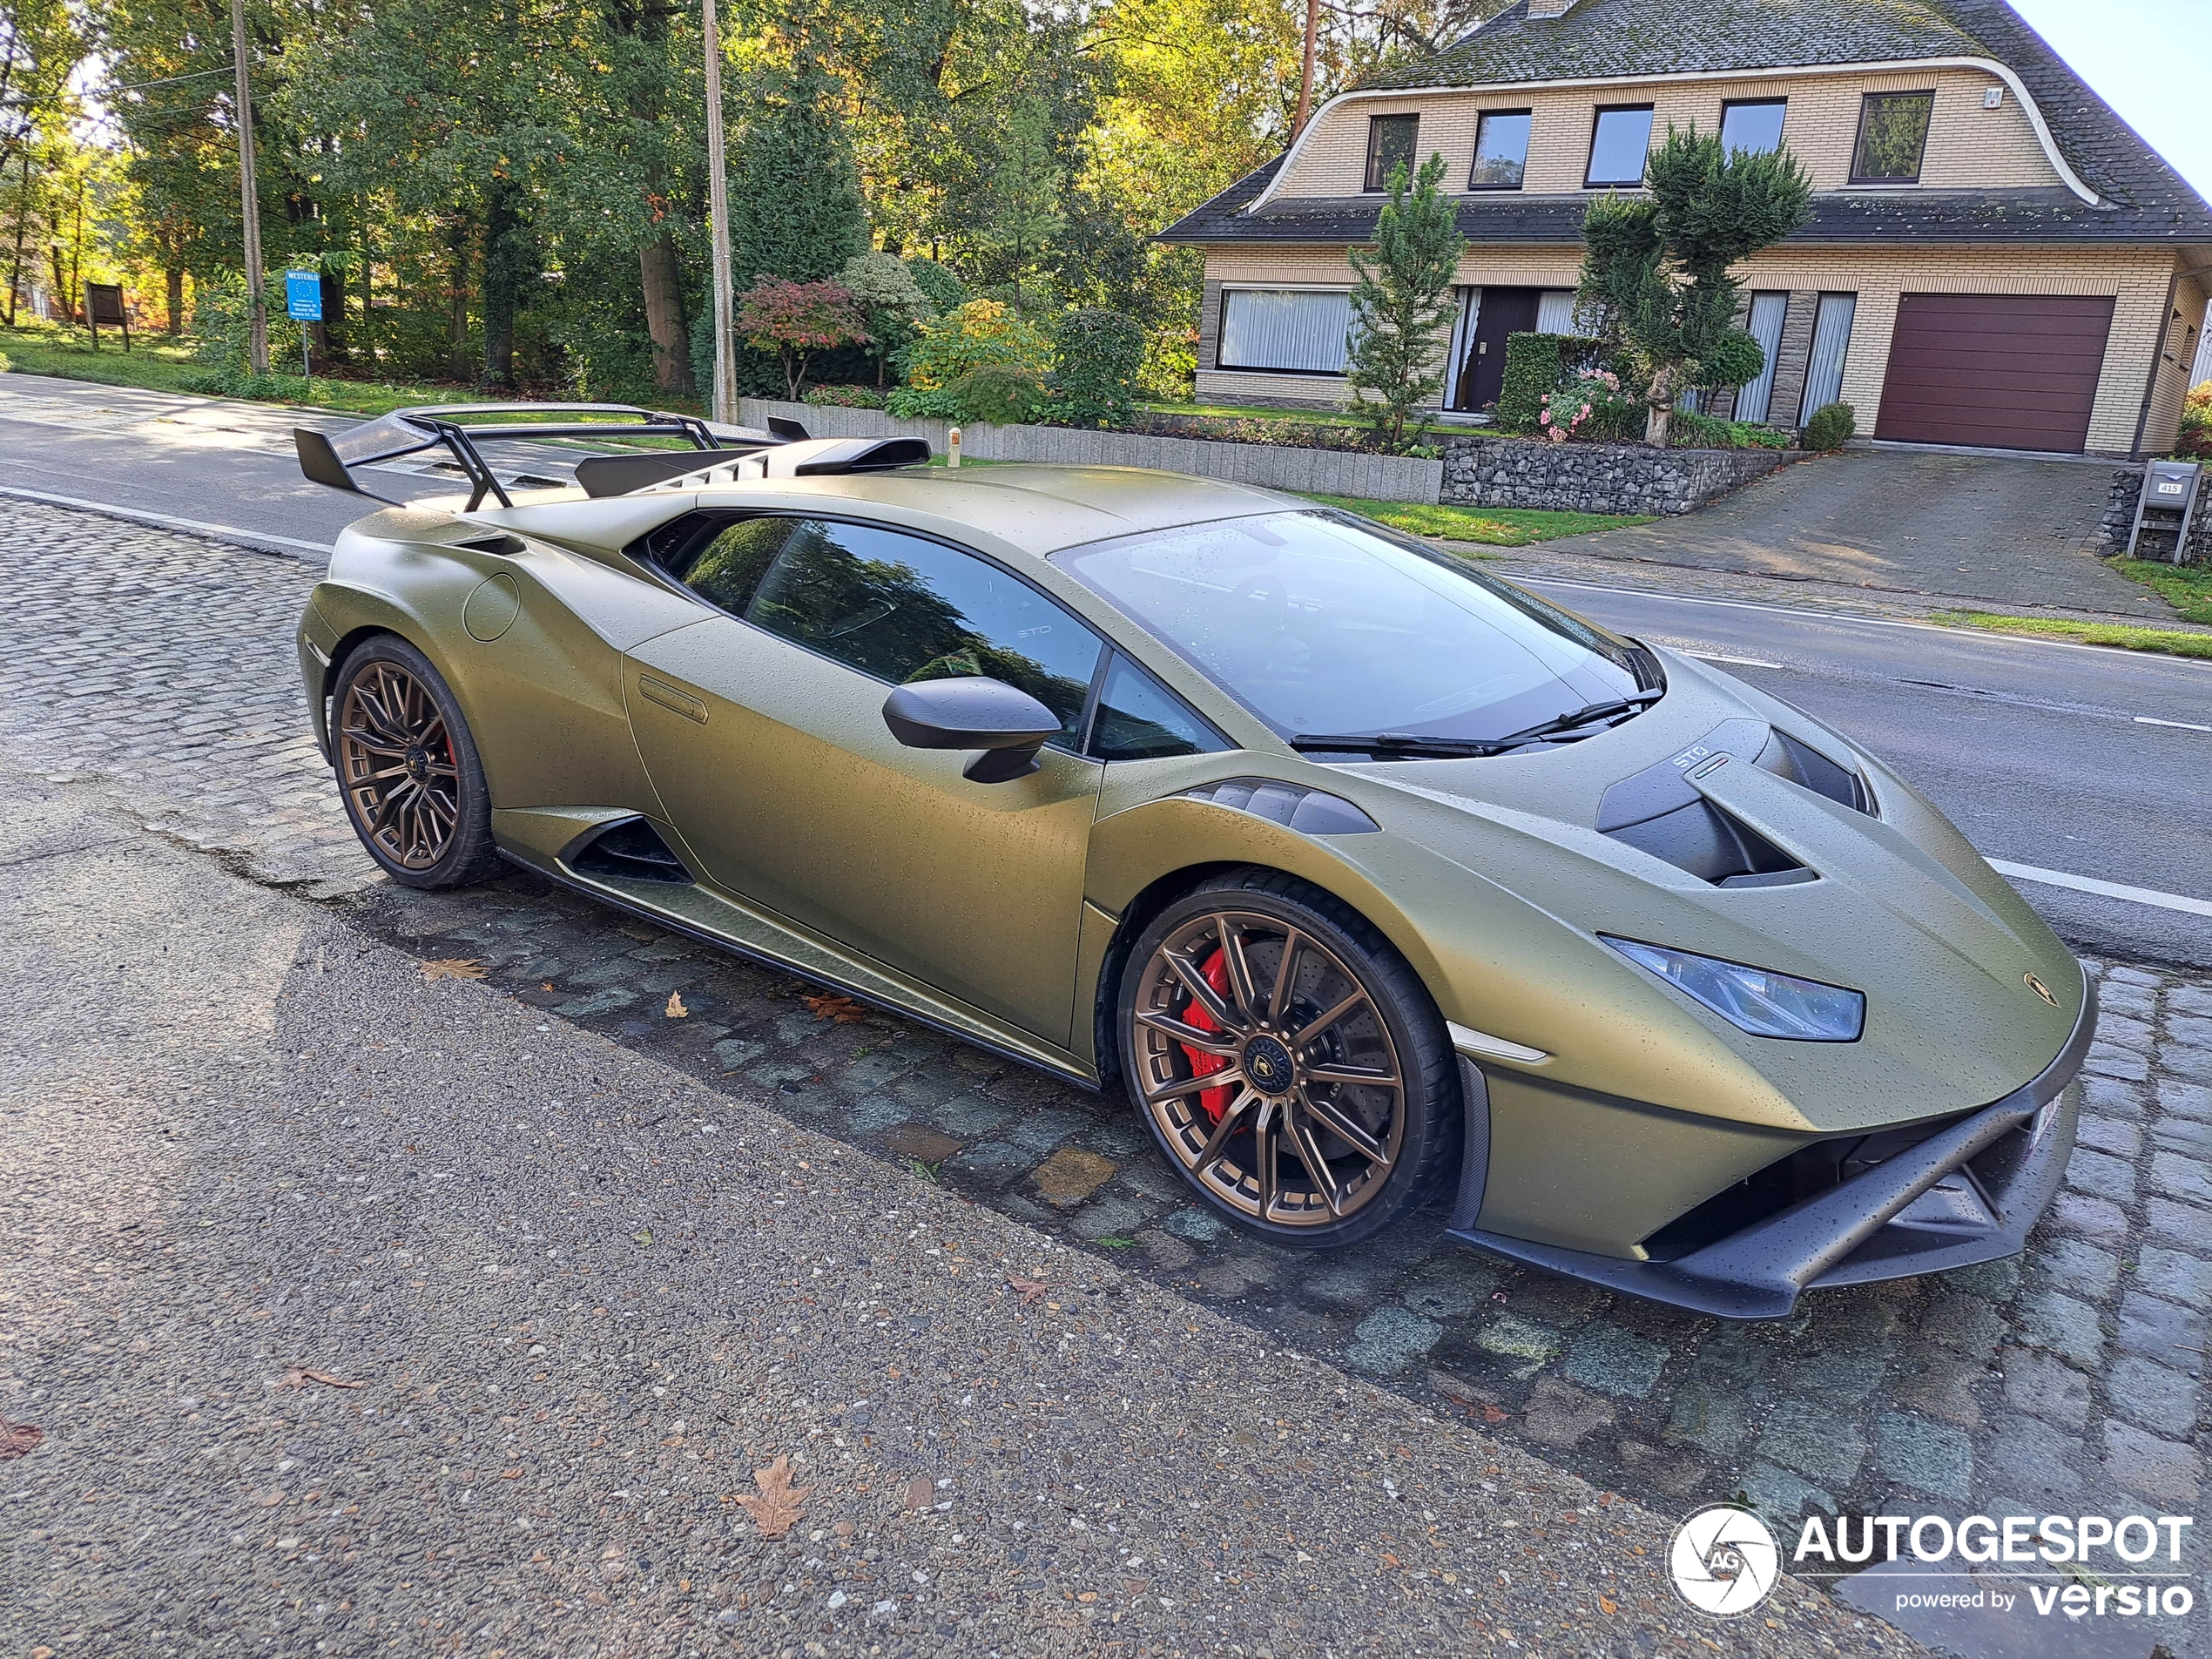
1550	8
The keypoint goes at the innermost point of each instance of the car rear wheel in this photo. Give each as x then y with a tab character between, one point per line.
408	771
1288	1060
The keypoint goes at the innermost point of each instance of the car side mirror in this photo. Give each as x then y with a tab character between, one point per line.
1007	725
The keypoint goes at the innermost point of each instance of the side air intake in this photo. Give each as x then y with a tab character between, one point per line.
629	849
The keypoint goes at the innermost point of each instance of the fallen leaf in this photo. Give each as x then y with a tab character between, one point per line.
676	1008
300	1376
17	1438
547	985
452	968
775	1512
830	1006
1392	1559
1493	1414
1029	1289
1608	1606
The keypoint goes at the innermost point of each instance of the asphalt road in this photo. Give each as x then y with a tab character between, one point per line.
2040	751
359	1313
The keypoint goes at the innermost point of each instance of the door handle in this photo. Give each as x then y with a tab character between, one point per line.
1481	348
660	691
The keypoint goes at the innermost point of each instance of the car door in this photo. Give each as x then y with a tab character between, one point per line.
763	730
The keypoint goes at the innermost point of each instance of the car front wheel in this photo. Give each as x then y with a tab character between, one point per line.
1288	1060
408	771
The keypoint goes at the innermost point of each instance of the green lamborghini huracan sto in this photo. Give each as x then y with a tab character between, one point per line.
1370	879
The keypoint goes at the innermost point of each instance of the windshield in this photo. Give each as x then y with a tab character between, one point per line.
1323	625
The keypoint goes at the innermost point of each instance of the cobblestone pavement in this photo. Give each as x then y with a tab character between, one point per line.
159	667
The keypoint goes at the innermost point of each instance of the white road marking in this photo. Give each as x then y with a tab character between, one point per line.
2183	726
2103	889
165	521
1846	618
1740	662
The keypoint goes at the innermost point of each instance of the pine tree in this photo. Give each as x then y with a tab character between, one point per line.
794	192
1401	306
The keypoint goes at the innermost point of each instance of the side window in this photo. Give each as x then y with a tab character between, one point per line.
1138	721
901	609
723	560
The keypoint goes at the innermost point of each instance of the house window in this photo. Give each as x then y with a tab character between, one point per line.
1556	315
1892	133
1830	341
1500	150
1768	310
1753	124
1296	331
1390	143
1619	144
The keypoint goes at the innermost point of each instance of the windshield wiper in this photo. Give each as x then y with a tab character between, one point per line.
1407	743
1392	743
1590	714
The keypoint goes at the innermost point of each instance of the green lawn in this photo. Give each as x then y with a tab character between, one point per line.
2188	588
1490	526
154	363
2121	636
1256	412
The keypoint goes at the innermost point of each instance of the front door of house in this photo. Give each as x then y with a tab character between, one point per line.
1498	312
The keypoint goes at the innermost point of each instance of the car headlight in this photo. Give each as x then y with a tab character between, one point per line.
1756	999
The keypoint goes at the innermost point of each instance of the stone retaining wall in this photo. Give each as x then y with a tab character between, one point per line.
2120	516
1323	472
1597	478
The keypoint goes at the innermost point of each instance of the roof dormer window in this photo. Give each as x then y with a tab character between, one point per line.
1892	136
1390	144
1500	150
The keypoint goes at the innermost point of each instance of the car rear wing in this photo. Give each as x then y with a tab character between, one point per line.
460	427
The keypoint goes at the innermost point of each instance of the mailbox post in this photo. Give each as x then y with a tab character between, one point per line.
303	303
2168	505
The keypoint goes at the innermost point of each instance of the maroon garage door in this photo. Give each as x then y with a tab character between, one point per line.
2017	371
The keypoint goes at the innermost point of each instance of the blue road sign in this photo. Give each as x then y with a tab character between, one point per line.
303	295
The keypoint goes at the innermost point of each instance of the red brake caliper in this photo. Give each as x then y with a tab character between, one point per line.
1215	972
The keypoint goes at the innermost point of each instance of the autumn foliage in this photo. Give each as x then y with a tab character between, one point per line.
796	319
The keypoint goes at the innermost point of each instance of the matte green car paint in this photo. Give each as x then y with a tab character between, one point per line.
991	910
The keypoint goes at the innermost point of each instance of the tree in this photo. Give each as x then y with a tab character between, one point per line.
794	192
1655	272
1401	305
796	319
890	300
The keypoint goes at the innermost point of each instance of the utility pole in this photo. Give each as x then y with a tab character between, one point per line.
1305	78
249	196
722	403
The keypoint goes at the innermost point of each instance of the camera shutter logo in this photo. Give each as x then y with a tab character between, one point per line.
1723	1561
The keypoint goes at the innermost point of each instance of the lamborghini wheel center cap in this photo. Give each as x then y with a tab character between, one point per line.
417	763
1268	1063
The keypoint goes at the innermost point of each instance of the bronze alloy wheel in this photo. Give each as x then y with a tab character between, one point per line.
1268	1068
396	764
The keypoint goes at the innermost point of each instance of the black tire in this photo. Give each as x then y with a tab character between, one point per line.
1248	1148
407	769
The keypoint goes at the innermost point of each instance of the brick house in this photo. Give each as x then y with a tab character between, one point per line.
1994	258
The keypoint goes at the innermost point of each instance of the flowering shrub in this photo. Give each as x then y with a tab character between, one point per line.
982	334
1591	408
796	319
2195	440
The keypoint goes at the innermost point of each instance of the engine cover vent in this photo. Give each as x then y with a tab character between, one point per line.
629	849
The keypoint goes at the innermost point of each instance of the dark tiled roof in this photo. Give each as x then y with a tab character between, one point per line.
1676	37
2144	200
2055	215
